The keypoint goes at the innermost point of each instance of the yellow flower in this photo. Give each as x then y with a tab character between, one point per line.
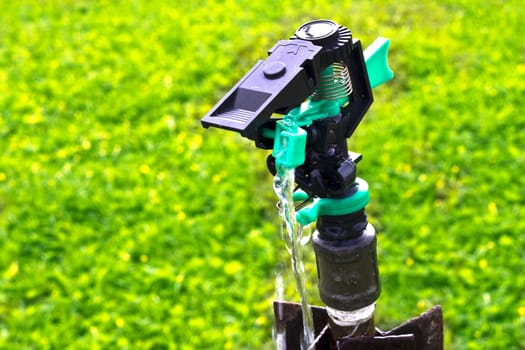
493	208
124	256
232	268
483	264
179	278
12	270
521	311
120	322
181	215
261	321
86	144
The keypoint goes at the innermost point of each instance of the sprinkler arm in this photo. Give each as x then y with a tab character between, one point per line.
289	76
376	60
275	85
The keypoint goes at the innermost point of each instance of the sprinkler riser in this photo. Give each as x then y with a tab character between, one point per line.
347	269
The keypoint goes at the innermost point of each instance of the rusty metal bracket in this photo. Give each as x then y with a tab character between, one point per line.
424	332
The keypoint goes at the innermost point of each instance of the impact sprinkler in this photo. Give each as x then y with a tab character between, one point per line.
303	102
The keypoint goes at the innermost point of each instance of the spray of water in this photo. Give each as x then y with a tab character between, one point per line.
292	234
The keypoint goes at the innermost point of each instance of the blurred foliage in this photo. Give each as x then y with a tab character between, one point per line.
125	225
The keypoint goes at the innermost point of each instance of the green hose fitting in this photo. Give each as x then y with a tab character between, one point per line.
334	207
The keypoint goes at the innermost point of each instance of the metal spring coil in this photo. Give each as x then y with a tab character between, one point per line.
334	84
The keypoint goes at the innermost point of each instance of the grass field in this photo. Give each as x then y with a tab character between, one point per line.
125	225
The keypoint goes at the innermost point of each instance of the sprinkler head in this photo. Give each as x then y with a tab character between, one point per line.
290	75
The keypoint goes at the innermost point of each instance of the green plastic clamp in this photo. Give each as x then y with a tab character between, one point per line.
289	144
333	206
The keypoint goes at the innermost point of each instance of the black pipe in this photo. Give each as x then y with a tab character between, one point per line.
345	248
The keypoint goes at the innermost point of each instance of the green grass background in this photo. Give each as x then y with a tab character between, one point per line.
125	225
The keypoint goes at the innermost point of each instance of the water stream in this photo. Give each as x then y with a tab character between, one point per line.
292	234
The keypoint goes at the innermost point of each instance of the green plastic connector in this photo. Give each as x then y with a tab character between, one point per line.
376	59
300	195
334	207
289	145
312	110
